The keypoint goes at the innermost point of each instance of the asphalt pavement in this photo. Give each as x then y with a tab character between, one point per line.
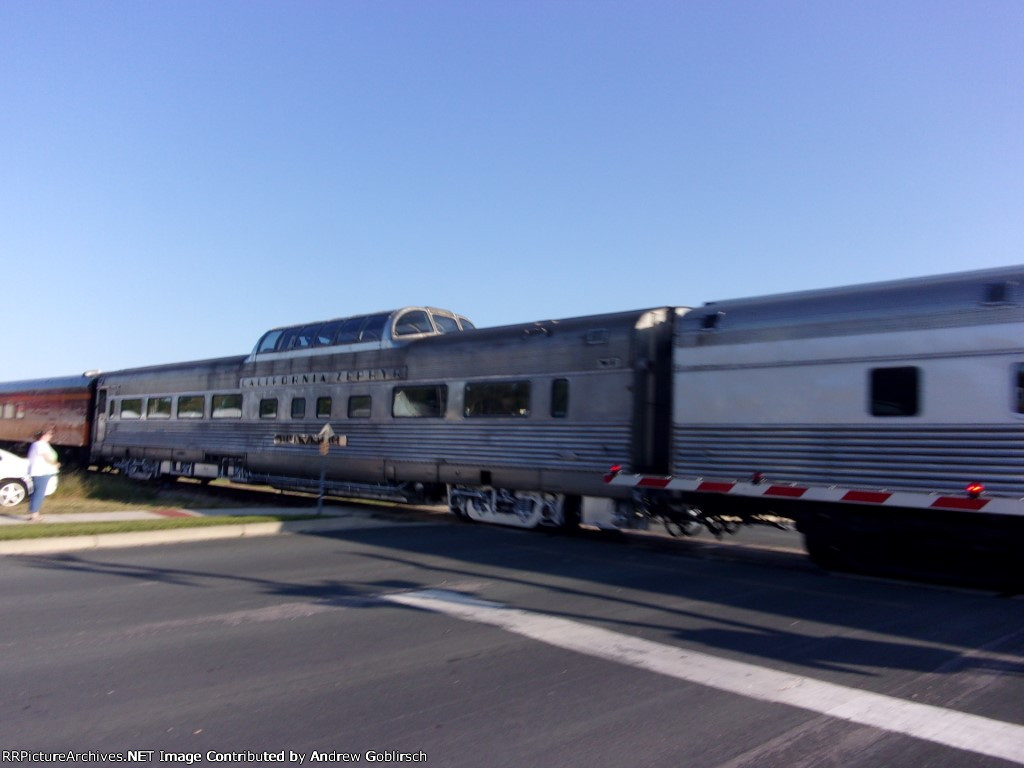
473	645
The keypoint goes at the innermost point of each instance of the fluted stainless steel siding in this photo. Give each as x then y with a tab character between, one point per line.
933	458
574	446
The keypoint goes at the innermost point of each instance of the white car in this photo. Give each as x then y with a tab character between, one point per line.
15	483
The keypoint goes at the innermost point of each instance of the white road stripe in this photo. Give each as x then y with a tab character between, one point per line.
972	733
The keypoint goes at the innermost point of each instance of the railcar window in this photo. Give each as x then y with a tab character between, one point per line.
359	406
413	322
350	330
419	401
348	333
268	408
131	408
191	406
298	338
310	335
497	398
560	398
284	341
8	410
227	407
269	341
298	407
325	336
158	408
895	391
323	407
307	337
113	405
374	328
445	323
1020	388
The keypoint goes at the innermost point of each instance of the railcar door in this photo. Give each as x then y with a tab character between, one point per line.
652	392
100	421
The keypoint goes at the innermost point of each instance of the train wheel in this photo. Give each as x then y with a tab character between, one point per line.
458	508
12	493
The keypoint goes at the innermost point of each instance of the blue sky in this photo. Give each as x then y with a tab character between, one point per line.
177	177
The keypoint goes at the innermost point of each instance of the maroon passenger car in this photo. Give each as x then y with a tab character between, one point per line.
65	404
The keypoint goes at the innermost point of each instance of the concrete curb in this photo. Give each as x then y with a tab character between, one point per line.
56	544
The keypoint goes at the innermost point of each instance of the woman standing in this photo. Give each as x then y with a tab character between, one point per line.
42	465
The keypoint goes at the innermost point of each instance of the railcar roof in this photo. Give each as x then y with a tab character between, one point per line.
374	330
233	361
551	327
362	315
42	385
958	292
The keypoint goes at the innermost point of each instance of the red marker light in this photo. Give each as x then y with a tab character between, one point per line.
612	471
974	490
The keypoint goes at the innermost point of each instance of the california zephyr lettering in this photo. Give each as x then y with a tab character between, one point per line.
322	377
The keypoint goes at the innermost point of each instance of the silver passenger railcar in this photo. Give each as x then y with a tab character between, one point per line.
890	412
514	425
